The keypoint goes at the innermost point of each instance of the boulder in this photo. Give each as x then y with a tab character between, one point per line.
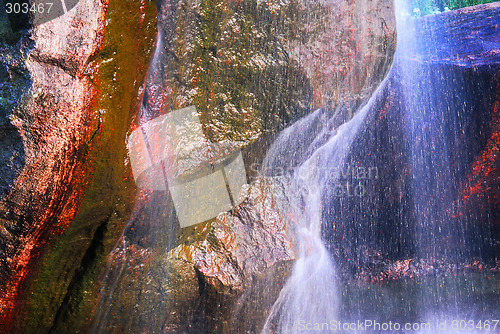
206	281
55	122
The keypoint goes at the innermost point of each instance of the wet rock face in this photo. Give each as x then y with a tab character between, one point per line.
54	121
350	51
253	67
367	244
237	251
14	79
231	260
243	243
234	62
13	26
209	279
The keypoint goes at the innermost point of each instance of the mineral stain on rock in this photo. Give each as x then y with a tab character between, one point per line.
67	198
53	120
71	267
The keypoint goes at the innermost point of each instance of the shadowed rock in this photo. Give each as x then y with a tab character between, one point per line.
209	280
463	74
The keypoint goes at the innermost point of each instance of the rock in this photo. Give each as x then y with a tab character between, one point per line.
251	68
224	275
60	290
391	271
200	284
244	243
15	45
14	80
13	26
226	268
55	123
477	45
239	250
386	216
350	53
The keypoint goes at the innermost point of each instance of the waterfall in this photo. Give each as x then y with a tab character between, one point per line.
434	108
426	97
435	100
311	295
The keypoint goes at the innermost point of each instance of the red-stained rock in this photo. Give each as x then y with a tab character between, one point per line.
349	54
56	124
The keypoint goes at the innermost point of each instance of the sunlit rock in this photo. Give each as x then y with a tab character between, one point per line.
55	123
238	248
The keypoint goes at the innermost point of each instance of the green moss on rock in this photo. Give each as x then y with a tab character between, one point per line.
64	292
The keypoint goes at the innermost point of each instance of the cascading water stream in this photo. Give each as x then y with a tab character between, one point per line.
313	152
432	106
432	189
435	101
426	126
310	294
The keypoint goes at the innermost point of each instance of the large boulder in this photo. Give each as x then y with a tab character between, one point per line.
85	74
457	92
55	122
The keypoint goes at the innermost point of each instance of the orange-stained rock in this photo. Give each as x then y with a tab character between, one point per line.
56	124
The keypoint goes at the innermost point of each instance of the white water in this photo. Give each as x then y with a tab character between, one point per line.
426	100
310	295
